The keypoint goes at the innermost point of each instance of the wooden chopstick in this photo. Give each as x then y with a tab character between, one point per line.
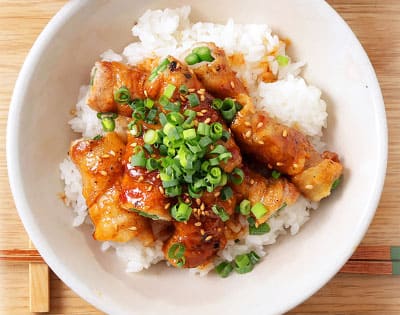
367	259
20	255
372	252
39	286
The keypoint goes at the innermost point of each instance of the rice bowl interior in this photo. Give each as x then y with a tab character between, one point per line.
345	86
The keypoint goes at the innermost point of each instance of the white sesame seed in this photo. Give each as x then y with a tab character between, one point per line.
309	187
198	223
104	173
248	134
207	121
232	84
260	124
279	164
284	133
132	228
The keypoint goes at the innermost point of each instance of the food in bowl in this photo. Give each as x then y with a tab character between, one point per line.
200	146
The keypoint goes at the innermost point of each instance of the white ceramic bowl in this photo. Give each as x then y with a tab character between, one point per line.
38	139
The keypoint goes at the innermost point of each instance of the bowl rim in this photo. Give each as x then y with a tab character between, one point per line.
22	205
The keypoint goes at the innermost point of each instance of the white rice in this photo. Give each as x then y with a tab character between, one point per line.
290	100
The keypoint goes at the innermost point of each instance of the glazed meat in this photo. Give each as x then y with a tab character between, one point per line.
142	190
99	162
280	147
112	223
202	237
272	193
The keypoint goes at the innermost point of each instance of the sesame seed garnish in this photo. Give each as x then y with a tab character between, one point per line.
204	111
132	228
145	93
182	98
269	166
202	98
198	201
295	165
202	232
247	123
207	121
198	223
252	182
232	84
149	188
260	142
161	189
260	124
191	90
279	164
167	206
201	91
133	145
105	156
217	194
158	176
199	114
140	179
309	187
284	133
208	238
248	134
104	173
202	207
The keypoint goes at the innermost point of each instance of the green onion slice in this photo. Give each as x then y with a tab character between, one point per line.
181	212
282	60
224	269
336	183
275	174
245	207
219	211
122	95
192	59
193	99
228	109
151	136
263	228
242	264
169	90
237	176
138	159
183	89
226	193
160	68
259	210
176	251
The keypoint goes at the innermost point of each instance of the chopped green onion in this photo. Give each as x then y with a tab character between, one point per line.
214	176
237	176
175	118
145	214
254	257
135	129
245	207
336	183
204	53
149	103
148	148
216	131
150	137
259	210
217	103
261	229
173	107
181	212
219	149
98	137
189	134
282	60
183	89
176	251
242	264
160	68
151	164
173	191
275	174
192	59
108	124
251	221
228	109
219	211
203	129
225	135
193	99
169	90
138	159
226	193
224	269
136	103
122	95
151	115
205	141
